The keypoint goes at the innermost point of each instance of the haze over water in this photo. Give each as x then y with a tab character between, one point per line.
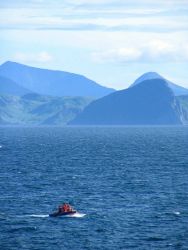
131	182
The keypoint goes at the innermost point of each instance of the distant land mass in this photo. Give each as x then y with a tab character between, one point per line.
33	96
177	90
35	109
150	102
52	82
9	87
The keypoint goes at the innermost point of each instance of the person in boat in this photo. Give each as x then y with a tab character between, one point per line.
68	208
65	208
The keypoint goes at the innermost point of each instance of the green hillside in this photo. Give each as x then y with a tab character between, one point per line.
34	109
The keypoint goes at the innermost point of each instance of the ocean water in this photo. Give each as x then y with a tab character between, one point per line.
129	184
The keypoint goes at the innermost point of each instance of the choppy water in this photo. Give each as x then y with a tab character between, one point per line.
132	184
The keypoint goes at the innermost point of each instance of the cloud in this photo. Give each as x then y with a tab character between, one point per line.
102	15
41	57
152	24
117	55
154	52
91	2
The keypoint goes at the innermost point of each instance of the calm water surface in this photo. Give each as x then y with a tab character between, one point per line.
132	184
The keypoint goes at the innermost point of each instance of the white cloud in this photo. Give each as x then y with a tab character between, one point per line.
18	20
41	57
117	55
136	31
125	3
155	51
76	15
78	2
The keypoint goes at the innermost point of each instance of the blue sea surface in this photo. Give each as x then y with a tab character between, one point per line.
130	182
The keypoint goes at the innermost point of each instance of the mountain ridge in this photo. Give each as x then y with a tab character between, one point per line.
52	82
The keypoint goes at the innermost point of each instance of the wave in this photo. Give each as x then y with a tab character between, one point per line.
176	213
24	228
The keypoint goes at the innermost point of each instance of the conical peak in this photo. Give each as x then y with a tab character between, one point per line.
148	76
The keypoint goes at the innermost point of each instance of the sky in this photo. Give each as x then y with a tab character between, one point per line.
112	42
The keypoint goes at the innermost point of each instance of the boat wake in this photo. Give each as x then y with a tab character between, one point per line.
76	215
38	215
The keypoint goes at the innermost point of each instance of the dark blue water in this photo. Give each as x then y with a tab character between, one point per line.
132	184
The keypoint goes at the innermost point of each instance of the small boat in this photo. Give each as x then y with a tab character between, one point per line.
56	214
63	210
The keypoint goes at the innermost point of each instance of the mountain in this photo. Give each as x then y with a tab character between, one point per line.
34	109
177	90
9	87
150	102
52	82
